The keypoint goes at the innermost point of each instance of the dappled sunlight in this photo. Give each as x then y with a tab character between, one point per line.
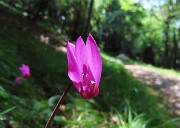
61	48
44	39
54	41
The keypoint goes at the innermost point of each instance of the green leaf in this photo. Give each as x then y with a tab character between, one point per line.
53	100
6	111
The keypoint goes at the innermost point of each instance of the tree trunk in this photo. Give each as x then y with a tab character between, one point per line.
77	21
175	48
166	42
87	26
166	33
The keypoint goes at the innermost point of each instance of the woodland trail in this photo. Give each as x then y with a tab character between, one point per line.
167	84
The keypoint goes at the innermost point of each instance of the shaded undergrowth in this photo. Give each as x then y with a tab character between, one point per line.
122	102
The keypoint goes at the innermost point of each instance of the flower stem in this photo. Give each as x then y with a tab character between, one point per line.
58	105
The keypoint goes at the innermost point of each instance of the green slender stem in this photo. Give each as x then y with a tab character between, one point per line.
58	105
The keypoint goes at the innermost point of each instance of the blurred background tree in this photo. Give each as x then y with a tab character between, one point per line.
144	30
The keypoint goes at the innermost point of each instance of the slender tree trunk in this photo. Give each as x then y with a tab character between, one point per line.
166	33
77	22
166	42
87	26
175	48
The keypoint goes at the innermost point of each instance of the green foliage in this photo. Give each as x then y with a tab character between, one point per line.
119	29
122	102
146	35
119	104
6	111
149	35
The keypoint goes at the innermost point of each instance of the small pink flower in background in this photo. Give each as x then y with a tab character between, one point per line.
84	66
18	80
25	70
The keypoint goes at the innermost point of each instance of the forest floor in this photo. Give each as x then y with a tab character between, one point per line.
167	84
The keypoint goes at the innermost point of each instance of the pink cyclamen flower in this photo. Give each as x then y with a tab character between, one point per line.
84	66
18	80
25	70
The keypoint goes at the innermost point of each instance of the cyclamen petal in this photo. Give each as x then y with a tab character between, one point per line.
80	52
94	58
84	66
18	80
74	72
25	70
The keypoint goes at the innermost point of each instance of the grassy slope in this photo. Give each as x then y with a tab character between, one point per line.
122	102
170	72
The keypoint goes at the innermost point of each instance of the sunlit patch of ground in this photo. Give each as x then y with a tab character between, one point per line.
52	40
169	85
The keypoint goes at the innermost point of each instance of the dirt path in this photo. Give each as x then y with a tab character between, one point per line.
168	85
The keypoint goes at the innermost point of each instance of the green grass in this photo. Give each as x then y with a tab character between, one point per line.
123	102
169	72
